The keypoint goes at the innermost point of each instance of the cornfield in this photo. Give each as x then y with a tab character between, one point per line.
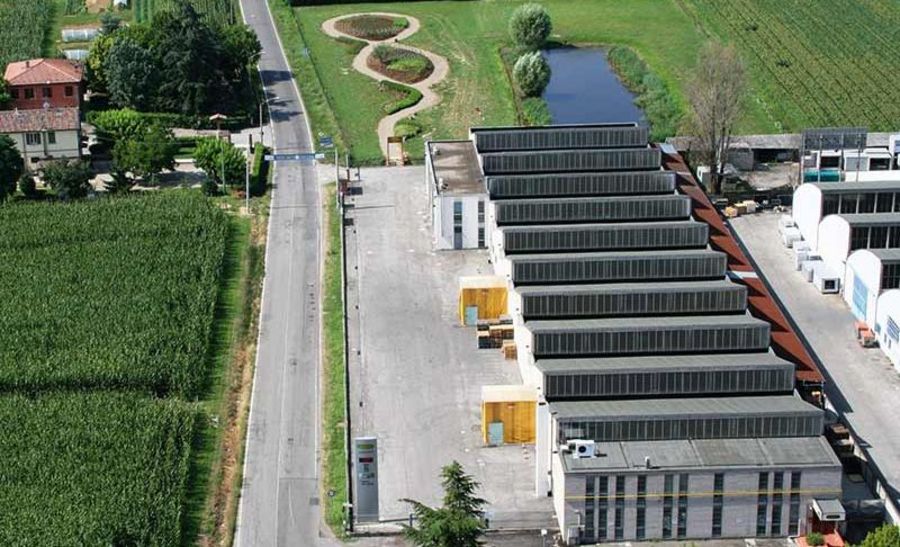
219	12
93	469
815	64
112	294
23	25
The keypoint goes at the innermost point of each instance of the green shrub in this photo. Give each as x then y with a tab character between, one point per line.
408	96
258	171
532	74
815	539
407	128
535	111
530	26
27	186
653	96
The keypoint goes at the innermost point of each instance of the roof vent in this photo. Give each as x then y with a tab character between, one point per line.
647	462
27	64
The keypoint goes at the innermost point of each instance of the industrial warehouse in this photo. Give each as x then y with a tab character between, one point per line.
674	400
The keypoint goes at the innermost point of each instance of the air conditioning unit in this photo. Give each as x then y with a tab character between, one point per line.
582	448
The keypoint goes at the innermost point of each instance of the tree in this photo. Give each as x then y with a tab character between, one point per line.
69	179
458	523
11	166
885	536
130	74
109	22
5	97
241	48
716	96
147	153
27	186
532	74
530	26
212	155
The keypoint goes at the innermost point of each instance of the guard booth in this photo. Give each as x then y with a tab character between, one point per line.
824	516
481	297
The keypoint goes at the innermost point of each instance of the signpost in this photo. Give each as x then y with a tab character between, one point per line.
295	157
366	460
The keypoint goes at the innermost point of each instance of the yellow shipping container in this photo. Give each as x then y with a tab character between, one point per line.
486	293
514	407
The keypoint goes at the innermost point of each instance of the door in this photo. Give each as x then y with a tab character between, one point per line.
471	315
495	433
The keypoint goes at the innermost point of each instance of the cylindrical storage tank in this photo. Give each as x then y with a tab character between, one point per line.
687	418
665	375
560	137
629	159
604	237
648	335
581	184
581	210
617	266
627	299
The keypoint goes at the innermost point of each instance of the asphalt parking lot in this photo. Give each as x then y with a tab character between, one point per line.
862	384
416	380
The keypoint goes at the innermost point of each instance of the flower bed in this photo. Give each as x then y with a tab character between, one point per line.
372	27
400	64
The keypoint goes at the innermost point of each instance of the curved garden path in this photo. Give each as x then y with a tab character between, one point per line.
429	97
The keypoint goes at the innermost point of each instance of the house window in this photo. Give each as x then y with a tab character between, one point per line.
32	139
70	91
47	92
14	93
29	93
51	137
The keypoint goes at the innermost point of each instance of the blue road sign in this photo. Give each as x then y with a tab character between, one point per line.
326	141
295	157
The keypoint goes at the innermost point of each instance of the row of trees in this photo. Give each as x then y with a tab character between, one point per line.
176	63
529	28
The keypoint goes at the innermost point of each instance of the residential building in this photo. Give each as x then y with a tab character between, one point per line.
45	83
42	134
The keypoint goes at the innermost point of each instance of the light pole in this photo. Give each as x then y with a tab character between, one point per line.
247	182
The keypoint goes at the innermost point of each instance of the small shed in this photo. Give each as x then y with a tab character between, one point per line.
508	413
481	297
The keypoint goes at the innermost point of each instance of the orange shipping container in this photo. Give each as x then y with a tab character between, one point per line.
481	297
513	406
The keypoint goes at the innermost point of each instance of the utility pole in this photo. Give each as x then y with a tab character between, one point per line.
247	182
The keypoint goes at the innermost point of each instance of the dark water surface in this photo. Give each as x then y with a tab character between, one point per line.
584	89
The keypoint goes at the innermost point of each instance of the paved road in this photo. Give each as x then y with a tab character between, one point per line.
279	497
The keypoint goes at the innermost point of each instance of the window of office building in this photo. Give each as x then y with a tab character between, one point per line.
682	505
890	276
480	212
866	203
859	237
718	489
602	506
848	203
667	506
830	204
777	497
640	529
589	499
620	508
794	511
884	202
481	236
878	237
762	502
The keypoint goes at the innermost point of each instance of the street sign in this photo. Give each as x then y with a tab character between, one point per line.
295	157
325	141
366	466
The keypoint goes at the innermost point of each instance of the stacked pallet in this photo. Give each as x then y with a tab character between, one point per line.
491	333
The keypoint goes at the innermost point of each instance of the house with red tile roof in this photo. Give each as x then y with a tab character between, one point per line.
45	83
43	134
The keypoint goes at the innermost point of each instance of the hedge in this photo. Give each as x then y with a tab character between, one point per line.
412	96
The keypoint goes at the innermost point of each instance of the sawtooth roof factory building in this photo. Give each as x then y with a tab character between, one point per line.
676	401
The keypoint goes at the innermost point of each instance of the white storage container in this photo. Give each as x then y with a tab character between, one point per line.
799	258
786	221
800	246
808	269
826	280
790	236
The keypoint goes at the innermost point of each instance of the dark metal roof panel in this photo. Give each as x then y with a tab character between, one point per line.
559	137
683	407
650	363
598	237
591	209
626	159
581	184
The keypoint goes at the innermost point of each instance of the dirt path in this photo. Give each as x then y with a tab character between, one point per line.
429	97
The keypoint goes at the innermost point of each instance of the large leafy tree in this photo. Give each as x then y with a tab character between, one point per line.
221	161
146	154
70	179
5	98
530	26
458	523
11	166
532	74
887	535
130	74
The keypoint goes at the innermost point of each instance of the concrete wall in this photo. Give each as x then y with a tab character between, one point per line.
807	212
834	242
863	268
888	308
739	509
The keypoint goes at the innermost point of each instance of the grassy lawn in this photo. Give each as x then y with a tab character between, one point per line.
334	462
470	35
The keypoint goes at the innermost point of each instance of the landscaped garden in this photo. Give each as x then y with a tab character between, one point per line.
372	27
400	64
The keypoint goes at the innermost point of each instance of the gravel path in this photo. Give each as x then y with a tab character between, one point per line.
429	97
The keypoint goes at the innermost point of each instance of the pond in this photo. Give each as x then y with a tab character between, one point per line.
584	89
